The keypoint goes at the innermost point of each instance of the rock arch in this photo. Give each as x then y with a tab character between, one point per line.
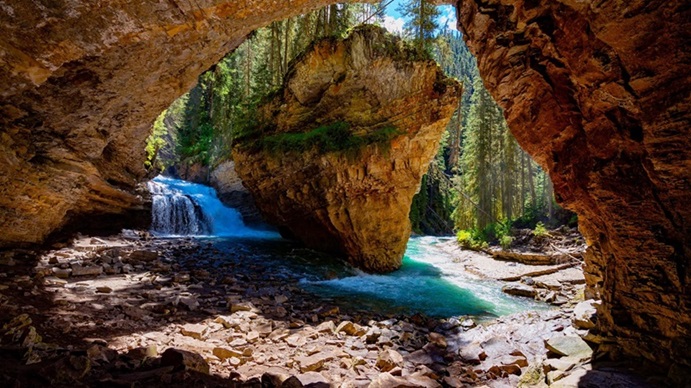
597	92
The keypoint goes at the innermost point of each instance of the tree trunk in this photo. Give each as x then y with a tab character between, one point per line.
522	182
286	47
531	182
421	32
248	61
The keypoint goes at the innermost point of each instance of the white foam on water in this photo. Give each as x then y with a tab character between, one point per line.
428	282
222	221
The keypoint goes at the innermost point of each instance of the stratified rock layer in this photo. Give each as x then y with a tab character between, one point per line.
353	202
598	94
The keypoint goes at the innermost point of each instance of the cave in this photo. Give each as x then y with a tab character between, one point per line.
596	92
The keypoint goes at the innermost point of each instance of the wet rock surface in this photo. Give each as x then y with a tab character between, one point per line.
181	312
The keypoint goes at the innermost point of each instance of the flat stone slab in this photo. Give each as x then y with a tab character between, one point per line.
195	331
519	289
569	346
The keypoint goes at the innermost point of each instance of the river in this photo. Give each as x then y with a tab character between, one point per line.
428	282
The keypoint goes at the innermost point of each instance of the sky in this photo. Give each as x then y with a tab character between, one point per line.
393	20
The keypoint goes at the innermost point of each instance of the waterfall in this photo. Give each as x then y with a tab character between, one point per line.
189	209
175	212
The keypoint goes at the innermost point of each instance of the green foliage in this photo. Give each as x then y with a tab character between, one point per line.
502	228
494	178
505	241
421	22
433	205
496	232
471	239
154	143
573	221
419	206
540	231
334	137
222	108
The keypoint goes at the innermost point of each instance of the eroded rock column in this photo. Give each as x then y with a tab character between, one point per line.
340	153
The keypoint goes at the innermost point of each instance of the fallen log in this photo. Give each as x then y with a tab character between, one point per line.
540	273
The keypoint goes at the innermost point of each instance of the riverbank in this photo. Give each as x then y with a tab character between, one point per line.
130	309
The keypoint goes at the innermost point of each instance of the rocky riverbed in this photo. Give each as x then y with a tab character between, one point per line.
132	310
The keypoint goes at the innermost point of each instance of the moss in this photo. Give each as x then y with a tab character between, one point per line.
334	137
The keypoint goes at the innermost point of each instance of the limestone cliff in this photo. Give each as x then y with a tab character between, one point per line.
350	196
598	94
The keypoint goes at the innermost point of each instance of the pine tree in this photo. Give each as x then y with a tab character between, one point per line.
421	21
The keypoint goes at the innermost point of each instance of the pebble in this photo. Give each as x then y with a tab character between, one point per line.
269	324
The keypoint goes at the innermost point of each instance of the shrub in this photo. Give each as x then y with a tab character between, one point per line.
470	239
540	231
505	241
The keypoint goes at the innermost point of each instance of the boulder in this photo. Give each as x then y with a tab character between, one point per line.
194	330
388	359
585	314
519	289
184	360
387	380
350	328
86	270
438	340
326	327
569	346
144	255
314	362
472	353
104	290
313	380
225	353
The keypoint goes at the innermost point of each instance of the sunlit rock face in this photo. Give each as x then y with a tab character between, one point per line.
352	202
598	93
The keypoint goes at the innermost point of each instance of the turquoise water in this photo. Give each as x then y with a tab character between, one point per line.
428	282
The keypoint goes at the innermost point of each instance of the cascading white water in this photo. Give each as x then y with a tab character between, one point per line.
175	212
182	208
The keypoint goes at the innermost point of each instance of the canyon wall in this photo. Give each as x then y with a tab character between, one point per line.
83	83
340	153
598	94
